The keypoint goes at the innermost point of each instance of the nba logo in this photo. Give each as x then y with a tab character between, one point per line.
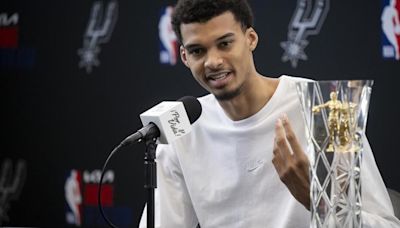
73	197
390	29
168	41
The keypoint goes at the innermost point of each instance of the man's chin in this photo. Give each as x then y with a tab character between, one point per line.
228	95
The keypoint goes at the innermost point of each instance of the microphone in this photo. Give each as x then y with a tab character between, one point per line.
167	121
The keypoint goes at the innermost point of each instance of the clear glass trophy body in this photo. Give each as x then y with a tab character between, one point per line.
335	113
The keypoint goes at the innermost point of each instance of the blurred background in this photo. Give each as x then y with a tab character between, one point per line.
75	75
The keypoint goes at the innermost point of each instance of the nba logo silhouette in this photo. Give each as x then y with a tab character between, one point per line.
391	29
73	197
168	41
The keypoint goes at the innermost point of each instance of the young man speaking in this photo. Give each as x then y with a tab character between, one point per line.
243	165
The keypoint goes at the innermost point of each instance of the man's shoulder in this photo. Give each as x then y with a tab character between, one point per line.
208	102
211	111
207	98
291	78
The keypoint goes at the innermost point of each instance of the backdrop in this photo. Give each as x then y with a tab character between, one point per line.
75	75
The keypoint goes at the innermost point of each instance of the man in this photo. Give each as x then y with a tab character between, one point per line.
243	164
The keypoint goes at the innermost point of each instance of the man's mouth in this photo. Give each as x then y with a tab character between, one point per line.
219	79
218	75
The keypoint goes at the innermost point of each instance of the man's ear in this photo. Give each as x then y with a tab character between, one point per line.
252	38
182	51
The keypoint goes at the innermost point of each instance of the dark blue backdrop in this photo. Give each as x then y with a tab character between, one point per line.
57	117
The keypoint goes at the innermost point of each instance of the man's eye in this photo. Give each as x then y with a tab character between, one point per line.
196	51
225	44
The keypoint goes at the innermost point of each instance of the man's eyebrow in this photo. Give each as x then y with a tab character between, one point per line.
191	46
228	35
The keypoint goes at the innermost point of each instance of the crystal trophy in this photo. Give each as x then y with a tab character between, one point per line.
335	113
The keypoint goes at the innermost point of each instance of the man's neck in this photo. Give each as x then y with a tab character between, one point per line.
251	99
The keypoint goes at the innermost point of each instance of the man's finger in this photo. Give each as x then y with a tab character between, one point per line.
277	159
281	141
291	136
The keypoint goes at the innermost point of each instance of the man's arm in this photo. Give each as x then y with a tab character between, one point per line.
292	168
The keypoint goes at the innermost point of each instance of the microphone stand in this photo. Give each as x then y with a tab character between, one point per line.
150	173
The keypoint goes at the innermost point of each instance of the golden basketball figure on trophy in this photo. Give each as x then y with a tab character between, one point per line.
341	120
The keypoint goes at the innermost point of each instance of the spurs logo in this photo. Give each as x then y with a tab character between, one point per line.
98	31
11	184
306	20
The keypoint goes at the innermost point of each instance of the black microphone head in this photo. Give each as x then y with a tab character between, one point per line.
192	107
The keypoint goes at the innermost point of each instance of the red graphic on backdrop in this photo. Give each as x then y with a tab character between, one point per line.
9	30
81	194
91	193
9	37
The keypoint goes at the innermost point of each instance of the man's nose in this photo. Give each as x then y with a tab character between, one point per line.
214	60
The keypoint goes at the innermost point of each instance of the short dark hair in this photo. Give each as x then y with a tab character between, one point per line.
190	11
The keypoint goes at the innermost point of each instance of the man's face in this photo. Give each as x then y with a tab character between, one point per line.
219	54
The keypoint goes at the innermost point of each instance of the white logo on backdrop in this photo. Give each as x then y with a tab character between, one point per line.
73	197
169	50
306	20
78	196
11	183
8	20
99	29
391	29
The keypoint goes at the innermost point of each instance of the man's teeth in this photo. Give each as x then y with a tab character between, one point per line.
219	76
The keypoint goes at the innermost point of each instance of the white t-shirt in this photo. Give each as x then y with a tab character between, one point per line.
221	174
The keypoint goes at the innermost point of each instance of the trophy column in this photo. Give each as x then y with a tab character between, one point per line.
335	113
